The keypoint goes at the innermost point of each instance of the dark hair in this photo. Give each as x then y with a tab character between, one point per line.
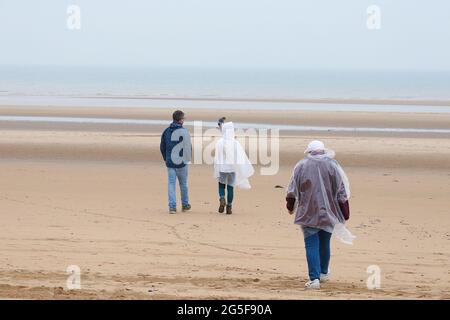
178	115
221	121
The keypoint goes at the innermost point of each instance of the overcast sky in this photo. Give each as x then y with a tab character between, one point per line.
414	34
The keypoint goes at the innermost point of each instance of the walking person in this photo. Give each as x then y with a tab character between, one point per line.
318	194
232	168
176	150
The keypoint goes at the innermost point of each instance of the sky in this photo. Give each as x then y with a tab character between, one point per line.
293	34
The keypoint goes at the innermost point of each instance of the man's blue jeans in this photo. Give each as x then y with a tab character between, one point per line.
317	248
182	175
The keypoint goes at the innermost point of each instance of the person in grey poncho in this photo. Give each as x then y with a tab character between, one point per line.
318	194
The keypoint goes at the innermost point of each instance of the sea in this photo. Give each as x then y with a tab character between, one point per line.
184	87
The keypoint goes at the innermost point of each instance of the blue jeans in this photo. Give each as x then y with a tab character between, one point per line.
317	248
230	193
182	175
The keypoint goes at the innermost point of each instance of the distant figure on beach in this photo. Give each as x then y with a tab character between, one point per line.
318	193
232	168
176	150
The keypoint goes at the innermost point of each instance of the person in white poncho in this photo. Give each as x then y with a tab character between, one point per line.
318	194
232	168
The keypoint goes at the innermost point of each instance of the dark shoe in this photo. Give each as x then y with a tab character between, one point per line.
186	208
229	211
222	205
172	210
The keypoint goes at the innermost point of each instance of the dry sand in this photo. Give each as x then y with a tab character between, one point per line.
96	198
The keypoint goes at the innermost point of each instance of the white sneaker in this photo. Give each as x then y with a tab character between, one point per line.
315	284
324	277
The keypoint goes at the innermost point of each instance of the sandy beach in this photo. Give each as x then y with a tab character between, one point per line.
95	196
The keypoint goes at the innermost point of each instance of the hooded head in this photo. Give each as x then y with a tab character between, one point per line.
228	130
220	122
315	146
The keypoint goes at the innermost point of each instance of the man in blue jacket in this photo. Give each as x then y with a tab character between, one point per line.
176	150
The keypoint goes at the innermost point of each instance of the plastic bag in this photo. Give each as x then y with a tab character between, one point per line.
343	234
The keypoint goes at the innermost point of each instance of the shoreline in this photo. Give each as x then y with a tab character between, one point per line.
287	100
409	102
49	120
255	104
271	117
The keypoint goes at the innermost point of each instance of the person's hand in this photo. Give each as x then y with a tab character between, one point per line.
290	205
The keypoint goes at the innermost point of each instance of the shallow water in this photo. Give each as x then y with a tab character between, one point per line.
207	104
210	124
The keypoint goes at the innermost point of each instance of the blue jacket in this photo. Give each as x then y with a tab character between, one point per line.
175	136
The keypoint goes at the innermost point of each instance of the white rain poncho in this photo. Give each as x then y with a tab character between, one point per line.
319	184
230	157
